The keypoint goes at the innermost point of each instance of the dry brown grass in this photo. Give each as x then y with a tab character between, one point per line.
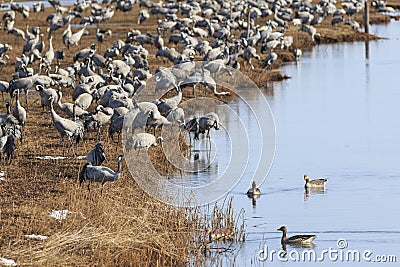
124	226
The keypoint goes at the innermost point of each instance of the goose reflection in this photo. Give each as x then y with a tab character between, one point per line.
283	252
315	191
254	199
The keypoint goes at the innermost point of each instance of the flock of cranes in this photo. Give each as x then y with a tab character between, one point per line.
104	88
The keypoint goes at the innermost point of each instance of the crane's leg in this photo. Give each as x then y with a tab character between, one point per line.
26	99
63	145
251	65
9	159
72	146
119	137
229	71
98	134
22	134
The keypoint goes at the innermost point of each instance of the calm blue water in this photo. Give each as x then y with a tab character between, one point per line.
336	118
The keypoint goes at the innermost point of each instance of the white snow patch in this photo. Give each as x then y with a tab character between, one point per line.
59	157
59	214
38	237
62	214
7	262
2	175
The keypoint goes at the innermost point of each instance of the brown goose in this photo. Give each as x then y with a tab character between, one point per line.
314	183
298	240
253	191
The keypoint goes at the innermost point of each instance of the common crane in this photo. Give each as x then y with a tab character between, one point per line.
176	115
100	174
297	53
75	37
45	94
142	141
71	110
97	156
67	35
165	105
143	16
191	126
7	145
19	112
66	127
269	60
156	121
49	55
207	122
85	100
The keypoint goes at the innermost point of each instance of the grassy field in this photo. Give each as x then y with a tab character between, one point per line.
123	226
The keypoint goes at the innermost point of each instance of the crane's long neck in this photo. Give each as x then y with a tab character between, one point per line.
17	98
179	95
74	112
51	44
119	167
54	115
59	99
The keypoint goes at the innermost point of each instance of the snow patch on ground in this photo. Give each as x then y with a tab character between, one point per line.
38	237
62	214
7	262
59	157
59	214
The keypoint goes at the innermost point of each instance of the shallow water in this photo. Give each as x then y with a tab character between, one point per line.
336	118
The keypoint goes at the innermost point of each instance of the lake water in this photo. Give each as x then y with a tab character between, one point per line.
335	118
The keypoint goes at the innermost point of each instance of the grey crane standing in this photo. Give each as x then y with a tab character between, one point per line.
66	35
4	88
7	144
168	104
97	156
30	44
142	141
156	121
76	37
191	126
85	100
207	122
68	108
45	93
100	174
49	55
176	115
143	16
19	112
66	127
269	60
